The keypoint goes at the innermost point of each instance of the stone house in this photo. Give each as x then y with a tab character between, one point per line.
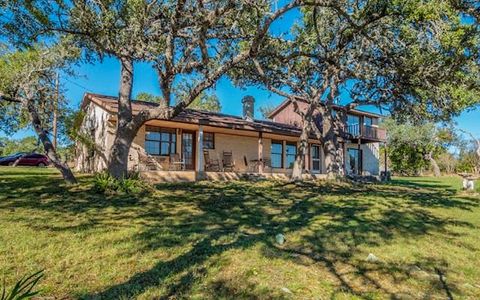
199	144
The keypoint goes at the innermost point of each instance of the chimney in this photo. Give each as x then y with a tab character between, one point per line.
248	107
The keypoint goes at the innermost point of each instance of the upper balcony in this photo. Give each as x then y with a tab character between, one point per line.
367	132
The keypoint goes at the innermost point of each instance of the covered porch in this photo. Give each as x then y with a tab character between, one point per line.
168	151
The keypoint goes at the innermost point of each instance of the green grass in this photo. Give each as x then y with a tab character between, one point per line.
217	240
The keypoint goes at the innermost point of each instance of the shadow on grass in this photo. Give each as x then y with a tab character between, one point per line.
205	220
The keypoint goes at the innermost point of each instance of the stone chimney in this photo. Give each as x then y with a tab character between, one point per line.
248	107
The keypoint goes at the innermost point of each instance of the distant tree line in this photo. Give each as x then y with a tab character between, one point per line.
413	149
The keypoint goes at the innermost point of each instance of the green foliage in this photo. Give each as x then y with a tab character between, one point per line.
468	161
26	144
409	145
447	162
23	289
105	183
148	97
266	110
207	102
406	159
28	75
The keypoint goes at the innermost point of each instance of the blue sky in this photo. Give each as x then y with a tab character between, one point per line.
103	78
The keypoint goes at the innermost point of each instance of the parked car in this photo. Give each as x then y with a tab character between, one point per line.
25	159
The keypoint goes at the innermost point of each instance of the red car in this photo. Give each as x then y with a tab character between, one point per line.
25	159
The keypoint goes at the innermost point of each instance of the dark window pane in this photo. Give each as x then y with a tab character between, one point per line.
276	160
153	136
160	141
277	154
165	148
315	152
291	155
368	121
353	120
165	137
152	148
277	148
208	140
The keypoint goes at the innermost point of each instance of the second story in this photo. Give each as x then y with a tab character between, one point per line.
360	124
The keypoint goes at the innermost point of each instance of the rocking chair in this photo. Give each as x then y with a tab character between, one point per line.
227	161
210	164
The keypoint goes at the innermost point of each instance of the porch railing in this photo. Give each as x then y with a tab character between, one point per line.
366	131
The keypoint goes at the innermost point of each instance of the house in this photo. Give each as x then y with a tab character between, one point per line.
219	146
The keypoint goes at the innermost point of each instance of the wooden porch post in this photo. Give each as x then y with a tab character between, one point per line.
360	157
260	153
179	142
308	158
200	165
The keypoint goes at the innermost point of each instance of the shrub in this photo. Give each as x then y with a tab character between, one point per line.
23	289
105	183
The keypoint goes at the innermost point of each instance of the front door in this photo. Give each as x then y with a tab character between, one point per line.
354	164
188	149
316	162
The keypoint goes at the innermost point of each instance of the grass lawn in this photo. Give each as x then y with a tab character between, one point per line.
217	240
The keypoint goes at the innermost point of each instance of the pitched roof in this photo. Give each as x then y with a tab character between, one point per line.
193	116
336	107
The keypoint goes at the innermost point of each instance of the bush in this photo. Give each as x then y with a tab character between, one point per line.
23	289
105	183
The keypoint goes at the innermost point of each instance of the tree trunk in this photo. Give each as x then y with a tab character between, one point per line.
433	163
48	146
118	160
302	148
333	154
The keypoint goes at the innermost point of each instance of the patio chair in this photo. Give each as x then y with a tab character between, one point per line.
267	163
210	164
252	165
227	161
176	164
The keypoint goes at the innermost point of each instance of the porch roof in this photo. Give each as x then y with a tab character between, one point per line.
192	116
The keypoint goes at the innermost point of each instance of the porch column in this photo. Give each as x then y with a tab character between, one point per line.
200	165
179	143
360	157
308	158
260	153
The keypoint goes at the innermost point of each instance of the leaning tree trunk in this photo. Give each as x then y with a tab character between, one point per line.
302	148
48	146
433	163
118	160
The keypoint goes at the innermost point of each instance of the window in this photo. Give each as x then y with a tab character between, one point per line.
316	160
353	125
208	140
355	161
160	141
277	154
291	155
367	121
353	120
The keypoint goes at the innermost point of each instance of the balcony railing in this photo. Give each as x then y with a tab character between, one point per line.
367	132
